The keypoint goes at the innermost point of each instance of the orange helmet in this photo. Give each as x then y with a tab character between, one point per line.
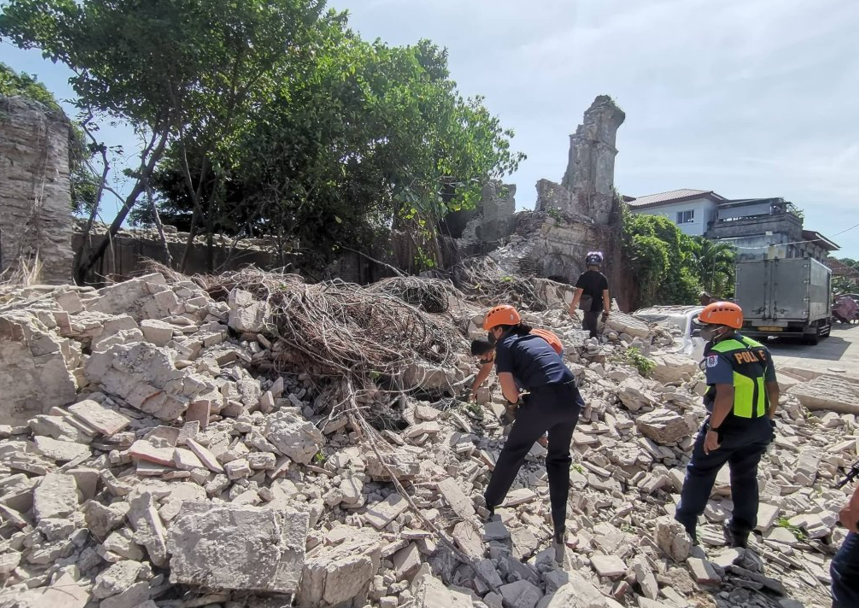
722	313
501	315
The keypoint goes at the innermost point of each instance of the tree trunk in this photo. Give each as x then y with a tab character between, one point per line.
146	168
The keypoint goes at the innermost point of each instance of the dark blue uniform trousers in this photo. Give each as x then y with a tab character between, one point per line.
741	449
554	408
845	574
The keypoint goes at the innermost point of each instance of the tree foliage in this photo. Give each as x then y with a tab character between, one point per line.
671	267
271	116
26	85
369	136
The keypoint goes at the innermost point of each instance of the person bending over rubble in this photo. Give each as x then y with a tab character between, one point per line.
484	350
552	404
741	402
592	294
844	568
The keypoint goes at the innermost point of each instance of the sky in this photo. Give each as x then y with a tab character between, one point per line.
748	98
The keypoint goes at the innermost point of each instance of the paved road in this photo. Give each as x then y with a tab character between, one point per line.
838	353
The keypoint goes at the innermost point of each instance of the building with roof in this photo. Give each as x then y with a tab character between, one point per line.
692	210
756	227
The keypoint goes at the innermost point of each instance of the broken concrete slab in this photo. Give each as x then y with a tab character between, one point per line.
61	451
404	464
520	594
34	372
608	566
382	513
578	593
456	498
224	546
149	529
430	592
55	496
100	417
663	426
830	393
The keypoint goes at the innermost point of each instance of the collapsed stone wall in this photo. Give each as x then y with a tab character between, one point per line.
579	215
35	200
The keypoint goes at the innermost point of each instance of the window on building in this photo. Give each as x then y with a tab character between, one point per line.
686	217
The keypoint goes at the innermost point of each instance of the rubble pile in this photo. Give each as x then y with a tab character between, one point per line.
186	444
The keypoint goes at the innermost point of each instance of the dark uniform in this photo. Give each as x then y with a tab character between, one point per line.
592	283
553	405
845	573
744	434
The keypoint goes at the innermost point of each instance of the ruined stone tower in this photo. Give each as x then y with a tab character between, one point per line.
588	184
35	200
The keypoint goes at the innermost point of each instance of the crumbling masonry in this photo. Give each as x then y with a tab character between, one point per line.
35	211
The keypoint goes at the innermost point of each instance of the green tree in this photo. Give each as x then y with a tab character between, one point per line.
843	285
369	137
19	83
170	69
714	265
662	259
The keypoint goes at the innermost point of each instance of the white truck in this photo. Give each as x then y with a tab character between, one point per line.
790	297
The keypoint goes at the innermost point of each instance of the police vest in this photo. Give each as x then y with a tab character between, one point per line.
749	360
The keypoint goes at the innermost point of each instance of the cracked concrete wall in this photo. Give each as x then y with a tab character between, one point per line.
35	199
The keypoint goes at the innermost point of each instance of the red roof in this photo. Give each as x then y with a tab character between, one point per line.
673	196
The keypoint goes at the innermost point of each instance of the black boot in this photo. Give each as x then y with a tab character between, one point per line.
739	540
560	545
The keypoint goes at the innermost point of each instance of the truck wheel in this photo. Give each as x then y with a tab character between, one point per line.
812	339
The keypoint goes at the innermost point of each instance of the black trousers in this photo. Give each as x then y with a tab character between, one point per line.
591	322
742	451
554	408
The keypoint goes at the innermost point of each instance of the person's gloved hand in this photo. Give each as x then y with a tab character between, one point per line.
773	425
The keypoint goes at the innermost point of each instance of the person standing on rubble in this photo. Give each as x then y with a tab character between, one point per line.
592	294
844	569
552	404
741	402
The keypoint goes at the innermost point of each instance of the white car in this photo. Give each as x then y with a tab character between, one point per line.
678	318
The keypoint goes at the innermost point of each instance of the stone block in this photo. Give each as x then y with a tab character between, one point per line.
294	437
224	546
100	417
663	426
520	594
157	332
55	496
340	575
34	372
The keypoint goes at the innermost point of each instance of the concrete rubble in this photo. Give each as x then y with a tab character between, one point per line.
159	454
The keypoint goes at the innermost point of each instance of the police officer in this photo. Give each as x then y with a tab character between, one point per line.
741	402
844	569
553	404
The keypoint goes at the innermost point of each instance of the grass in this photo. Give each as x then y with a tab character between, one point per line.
783	522
633	357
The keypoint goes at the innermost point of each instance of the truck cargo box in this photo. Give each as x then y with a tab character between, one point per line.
785	297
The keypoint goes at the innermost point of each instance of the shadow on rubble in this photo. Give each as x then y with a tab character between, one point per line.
742	583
